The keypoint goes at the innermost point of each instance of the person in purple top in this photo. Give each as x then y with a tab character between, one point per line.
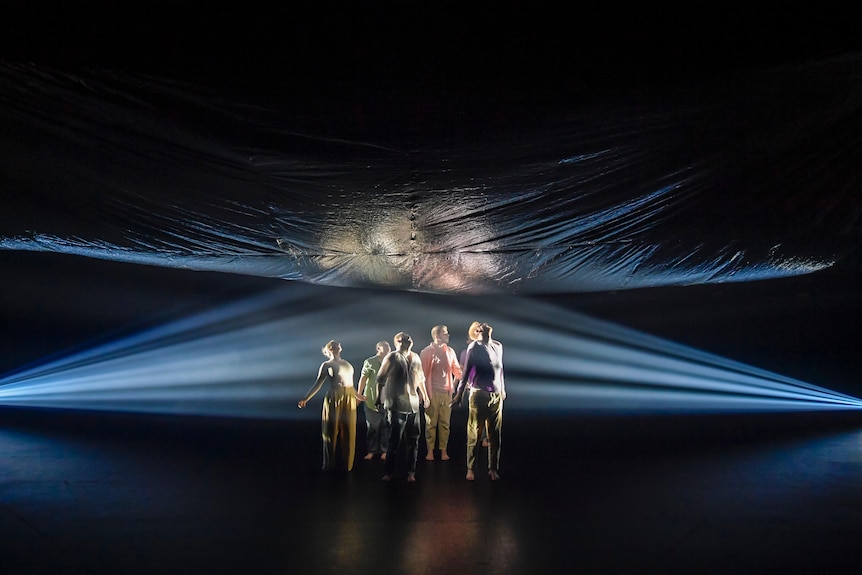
482	374
472	335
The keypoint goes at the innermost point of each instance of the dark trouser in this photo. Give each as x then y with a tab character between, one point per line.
403	427
377	434
485	407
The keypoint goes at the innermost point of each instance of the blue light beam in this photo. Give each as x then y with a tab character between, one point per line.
256	357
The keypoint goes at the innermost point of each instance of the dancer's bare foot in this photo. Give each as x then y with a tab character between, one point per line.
486	443
430	456
411	478
383	456
443	455
494	475
470	476
368	456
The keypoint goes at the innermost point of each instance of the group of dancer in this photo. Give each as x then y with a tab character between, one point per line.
394	383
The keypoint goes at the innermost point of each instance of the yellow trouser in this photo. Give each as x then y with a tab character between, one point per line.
485	408
437	417
339	427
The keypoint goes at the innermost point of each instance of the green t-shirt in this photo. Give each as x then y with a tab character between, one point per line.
370	368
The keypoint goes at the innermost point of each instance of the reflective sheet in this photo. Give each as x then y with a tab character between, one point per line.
747	177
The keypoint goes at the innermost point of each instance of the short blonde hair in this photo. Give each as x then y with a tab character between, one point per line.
471	332
327	349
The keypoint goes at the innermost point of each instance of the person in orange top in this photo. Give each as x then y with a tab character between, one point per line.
441	368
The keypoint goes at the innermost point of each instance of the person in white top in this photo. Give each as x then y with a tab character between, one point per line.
401	385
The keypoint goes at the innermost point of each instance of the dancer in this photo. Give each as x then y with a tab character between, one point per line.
377	434
472	335
483	369
441	367
339	408
401	385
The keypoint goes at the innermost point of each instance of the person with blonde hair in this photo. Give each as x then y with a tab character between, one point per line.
472	335
339	408
483	375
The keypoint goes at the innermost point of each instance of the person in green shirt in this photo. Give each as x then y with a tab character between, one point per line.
377	432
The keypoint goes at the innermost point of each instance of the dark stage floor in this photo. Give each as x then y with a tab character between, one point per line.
111	494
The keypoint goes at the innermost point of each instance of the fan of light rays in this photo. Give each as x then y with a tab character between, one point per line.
258	356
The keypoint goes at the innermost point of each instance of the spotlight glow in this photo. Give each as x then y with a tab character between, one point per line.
255	358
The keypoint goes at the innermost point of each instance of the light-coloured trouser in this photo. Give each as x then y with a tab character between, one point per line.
438	415
485	407
377	433
339	427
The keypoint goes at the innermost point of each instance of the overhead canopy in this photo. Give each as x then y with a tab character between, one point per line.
738	175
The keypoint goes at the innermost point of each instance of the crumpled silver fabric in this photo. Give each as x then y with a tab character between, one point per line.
745	178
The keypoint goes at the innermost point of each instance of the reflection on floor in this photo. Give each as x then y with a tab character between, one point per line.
111	494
